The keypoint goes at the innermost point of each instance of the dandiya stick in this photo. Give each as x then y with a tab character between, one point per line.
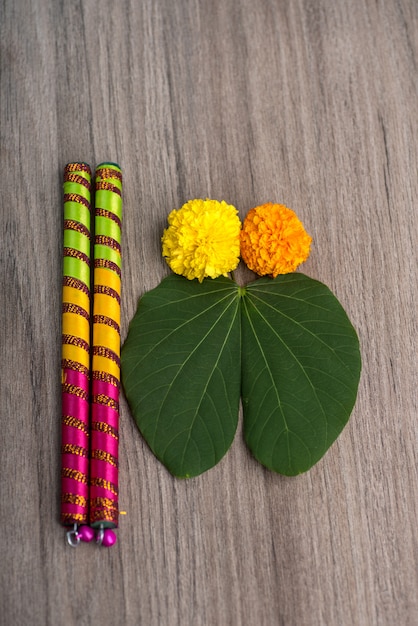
106	353
75	365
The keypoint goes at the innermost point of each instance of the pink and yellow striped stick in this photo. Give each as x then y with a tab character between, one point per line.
75	367
106	351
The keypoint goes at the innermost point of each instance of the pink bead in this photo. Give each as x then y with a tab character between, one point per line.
109	538
86	533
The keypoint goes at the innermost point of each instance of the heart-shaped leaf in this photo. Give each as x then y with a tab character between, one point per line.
300	371
296	362
181	371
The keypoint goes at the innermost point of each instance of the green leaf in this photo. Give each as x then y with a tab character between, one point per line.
181	371
300	371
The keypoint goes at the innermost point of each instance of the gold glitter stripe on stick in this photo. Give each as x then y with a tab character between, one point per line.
103	427
70	448
67	472
74	422
102	455
104	484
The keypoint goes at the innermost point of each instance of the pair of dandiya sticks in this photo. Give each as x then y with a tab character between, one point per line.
91	353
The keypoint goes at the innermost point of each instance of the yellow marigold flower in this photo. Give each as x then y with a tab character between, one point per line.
202	239
273	240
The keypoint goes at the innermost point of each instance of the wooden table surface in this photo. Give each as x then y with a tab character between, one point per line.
311	103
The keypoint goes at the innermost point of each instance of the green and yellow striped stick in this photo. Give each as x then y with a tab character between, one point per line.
75	365
106	351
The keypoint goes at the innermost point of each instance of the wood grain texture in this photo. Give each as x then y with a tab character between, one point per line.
312	103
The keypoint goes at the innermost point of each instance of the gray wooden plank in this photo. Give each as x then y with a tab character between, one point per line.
313	104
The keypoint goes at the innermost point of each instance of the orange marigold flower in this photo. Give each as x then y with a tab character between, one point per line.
273	240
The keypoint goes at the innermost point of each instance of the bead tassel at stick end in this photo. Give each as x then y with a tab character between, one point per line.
86	534
105	537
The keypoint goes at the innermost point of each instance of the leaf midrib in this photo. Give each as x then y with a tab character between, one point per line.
302	368
196	413
169	387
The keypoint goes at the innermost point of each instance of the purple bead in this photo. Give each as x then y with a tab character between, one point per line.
86	533
109	538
